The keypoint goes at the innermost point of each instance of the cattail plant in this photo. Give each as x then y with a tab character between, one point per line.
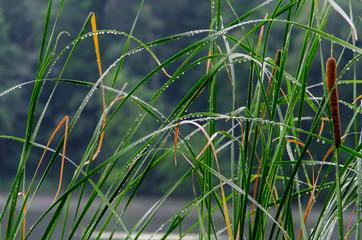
331	76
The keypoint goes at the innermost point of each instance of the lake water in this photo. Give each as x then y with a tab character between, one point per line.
133	214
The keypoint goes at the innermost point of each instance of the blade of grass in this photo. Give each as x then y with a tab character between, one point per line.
96	46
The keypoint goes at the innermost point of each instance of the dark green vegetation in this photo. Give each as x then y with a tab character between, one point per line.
221	102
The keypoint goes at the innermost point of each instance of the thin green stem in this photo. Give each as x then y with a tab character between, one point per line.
339	195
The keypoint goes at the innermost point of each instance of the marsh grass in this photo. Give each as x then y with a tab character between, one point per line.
257	161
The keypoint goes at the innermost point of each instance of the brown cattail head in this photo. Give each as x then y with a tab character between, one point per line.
331	77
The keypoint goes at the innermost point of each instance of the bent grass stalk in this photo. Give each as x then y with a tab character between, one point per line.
64	120
25	196
360	96
96	46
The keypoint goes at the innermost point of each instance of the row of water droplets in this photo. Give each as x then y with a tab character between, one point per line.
115	32
74	42
314	85
347	104
149	107
7	91
172	125
320	34
348	65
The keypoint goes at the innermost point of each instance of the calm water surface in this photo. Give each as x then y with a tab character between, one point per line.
136	210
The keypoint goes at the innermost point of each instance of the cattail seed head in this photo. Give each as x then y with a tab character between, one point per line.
331	77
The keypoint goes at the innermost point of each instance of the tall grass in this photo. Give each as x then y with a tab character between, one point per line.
262	163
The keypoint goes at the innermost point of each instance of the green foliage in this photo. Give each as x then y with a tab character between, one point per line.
215	113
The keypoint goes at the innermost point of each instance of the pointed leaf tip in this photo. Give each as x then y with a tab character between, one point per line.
345	16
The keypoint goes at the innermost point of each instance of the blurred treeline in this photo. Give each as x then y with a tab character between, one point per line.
21	24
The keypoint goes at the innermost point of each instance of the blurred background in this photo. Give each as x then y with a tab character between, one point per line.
22	22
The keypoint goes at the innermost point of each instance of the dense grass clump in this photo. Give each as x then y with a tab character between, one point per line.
241	123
